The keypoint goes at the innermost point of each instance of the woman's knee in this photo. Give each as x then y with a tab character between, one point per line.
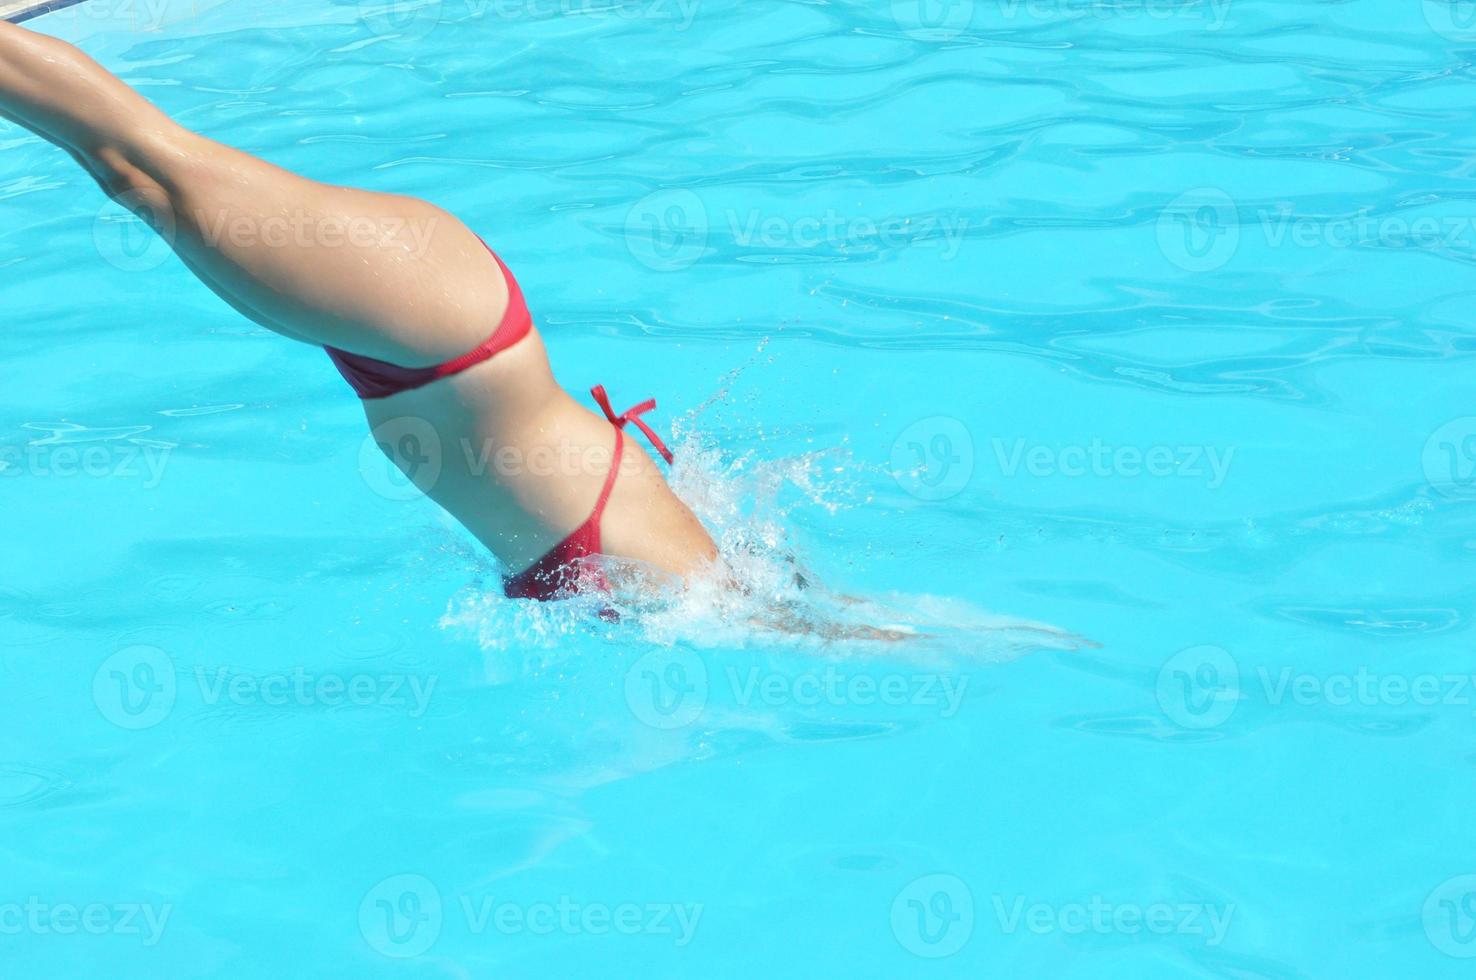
124	180
155	177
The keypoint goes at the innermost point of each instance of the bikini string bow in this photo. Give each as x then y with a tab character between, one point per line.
632	415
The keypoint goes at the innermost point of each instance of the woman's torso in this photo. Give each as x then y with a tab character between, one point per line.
521	464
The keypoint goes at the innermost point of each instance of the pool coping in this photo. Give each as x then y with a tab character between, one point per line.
15	12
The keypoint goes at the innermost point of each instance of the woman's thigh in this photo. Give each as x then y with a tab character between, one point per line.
383	275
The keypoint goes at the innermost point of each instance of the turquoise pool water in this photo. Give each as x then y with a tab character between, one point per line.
1148	321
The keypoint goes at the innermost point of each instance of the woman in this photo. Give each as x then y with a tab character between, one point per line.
422	319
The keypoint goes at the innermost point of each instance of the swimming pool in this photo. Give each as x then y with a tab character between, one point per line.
1148	321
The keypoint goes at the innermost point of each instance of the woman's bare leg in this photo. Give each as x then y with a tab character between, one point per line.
377	274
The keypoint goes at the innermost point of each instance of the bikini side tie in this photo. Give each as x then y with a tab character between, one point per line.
632	415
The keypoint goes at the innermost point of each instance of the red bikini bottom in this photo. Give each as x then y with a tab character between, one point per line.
566	569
